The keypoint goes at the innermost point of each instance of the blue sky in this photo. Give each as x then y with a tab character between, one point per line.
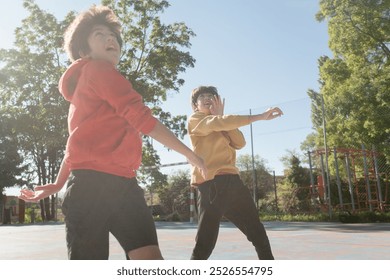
258	53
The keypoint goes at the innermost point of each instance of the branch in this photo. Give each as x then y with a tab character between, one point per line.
370	35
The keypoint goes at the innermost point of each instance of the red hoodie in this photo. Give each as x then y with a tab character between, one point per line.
106	119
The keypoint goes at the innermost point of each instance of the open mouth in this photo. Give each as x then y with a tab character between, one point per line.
111	49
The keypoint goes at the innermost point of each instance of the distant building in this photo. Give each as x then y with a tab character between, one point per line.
12	210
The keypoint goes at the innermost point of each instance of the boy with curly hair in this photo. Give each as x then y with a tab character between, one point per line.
106	120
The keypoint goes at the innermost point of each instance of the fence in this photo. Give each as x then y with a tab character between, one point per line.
349	179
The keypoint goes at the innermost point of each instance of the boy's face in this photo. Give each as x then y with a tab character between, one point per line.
103	44
204	102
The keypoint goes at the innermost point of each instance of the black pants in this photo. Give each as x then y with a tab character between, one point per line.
227	196
97	204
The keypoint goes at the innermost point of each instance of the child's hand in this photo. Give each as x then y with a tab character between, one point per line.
199	163
217	106
272	113
39	192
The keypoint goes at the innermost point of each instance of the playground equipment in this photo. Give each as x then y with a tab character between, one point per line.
358	179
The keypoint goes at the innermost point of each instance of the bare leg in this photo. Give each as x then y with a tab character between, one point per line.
151	252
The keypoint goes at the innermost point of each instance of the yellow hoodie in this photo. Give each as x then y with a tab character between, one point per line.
216	139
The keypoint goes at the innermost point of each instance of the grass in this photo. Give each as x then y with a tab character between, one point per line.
285	217
344	217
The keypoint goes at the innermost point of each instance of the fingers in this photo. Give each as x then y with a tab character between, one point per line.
28	198
279	111
274	112
31	196
217	105
222	104
204	172
198	162
27	192
217	100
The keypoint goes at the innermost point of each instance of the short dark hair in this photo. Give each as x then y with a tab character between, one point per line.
199	90
76	35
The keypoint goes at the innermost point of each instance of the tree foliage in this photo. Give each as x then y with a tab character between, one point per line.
294	191
255	173
175	195
29	93
11	166
154	55
355	83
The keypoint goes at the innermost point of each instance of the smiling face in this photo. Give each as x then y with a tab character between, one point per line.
103	44
204	102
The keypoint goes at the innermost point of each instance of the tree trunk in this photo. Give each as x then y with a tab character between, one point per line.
42	208
47	209
22	210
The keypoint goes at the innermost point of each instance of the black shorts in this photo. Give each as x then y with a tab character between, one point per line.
96	204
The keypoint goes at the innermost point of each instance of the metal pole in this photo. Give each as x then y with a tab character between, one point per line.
55	208
338	179
347	163
326	157
378	179
313	190
366	175
253	166
192	205
311	173
276	195
323	176
1	210
151	200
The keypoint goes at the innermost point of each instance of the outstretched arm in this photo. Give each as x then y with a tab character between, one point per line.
269	114
44	191
166	137
218	105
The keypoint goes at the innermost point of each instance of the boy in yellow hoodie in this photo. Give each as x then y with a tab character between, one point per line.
215	138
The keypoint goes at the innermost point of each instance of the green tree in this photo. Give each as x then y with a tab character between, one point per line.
297	181
151	178
354	84
154	56
29	89
298	178
175	196
11	164
261	176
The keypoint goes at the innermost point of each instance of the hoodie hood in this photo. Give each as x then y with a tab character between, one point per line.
68	82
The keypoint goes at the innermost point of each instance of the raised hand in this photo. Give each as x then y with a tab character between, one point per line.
217	105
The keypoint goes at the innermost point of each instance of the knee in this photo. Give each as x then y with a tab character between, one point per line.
151	252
